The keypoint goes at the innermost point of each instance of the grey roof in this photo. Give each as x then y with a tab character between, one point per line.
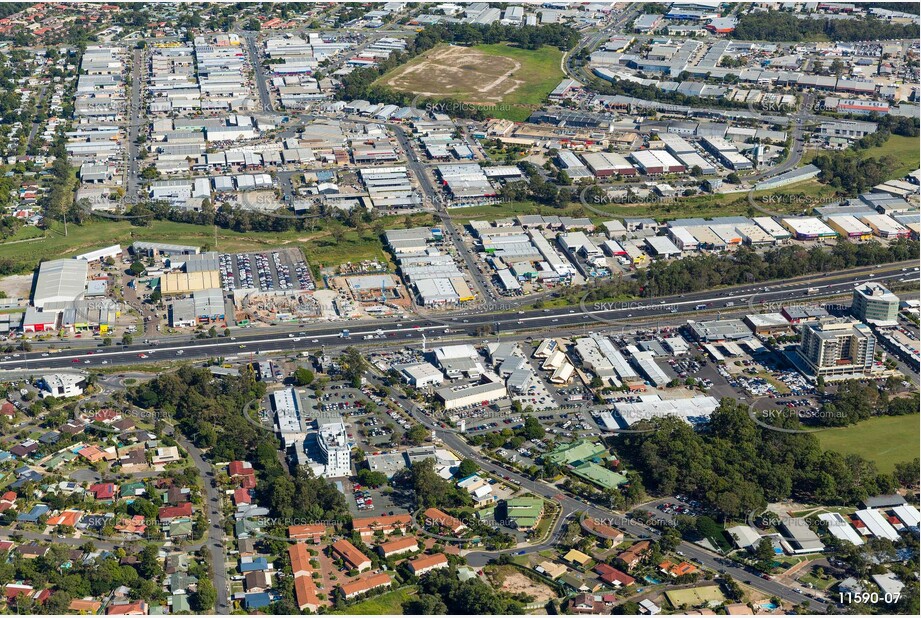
59	280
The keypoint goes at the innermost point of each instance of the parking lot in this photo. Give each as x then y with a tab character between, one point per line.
280	270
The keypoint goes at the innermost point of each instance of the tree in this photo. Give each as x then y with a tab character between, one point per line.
424	605
371	478
417	434
467	467
137	268
127	339
205	596
303	376
107	341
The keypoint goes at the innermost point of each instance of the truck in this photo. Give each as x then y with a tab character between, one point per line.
812	291
701	306
344	334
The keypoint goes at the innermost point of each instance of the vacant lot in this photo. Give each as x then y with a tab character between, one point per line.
506	80
887	440
509	579
387	603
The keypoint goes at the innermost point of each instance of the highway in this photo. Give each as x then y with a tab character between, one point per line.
587	317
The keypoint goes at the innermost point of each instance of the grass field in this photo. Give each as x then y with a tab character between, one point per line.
388	603
887	440
904	149
320	245
508	81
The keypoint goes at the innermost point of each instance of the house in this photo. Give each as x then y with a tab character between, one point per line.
386	524
311	532
299	557
167	514
350	555
31	550
441	519
612	576
103	492
69	518
397	547
242	496
676	570
574	582
247	565
553	570
240	470
424	564
137	608
305	592
574	556
84	606
365	584
634	554
258	581
586	603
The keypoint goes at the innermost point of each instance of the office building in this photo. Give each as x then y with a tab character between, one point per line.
875	304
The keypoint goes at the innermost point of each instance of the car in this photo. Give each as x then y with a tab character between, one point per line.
76	360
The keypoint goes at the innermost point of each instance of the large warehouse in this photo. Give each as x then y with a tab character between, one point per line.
59	281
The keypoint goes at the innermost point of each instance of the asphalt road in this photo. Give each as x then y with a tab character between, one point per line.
588	317
571	505
264	96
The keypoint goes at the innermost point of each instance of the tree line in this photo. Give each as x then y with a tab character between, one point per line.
856	401
737	466
786	27
746	265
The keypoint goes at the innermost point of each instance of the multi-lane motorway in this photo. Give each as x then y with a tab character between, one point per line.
584	317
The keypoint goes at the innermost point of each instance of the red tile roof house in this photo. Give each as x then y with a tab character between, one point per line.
440	518
351	555
365	584
242	496
612	576
424	564
386	524
307	532
238	469
169	513
138	608
397	547
300	560
103	491
306	592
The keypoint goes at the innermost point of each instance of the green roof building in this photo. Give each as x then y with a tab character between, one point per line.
575	453
593	473
525	513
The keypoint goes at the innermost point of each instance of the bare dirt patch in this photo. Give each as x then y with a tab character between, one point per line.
458	72
516	582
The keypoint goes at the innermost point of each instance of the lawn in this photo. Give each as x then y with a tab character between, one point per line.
319	245
507	81
388	603
904	149
887	440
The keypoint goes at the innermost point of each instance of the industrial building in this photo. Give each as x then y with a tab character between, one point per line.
59	281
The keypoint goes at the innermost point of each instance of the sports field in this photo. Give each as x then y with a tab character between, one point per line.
887	440
508	81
